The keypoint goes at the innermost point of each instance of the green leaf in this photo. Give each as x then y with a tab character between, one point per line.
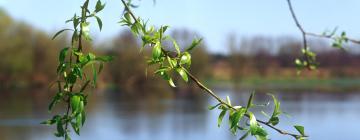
62	55
83	115
99	6
127	16
300	129
60	129
274	120
59	32
78	119
48	122
235	117
76	128
99	22
298	62
213	107
171	82
277	110
255	129
249	104
221	116
104	58
71	78
185	59
67	137
75	21
156	52
194	43
228	100
172	62
55	100
75	103
91	56
176	46
183	74
253	124
86	30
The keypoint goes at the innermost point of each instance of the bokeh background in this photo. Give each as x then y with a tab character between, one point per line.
248	46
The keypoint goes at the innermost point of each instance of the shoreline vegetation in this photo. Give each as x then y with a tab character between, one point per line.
266	63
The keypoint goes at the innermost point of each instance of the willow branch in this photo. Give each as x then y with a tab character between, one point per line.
304	32
210	92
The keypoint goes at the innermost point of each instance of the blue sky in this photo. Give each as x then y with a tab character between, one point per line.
214	20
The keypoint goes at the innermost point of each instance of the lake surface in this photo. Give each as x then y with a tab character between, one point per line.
326	116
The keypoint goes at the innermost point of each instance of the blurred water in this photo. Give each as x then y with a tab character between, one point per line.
330	116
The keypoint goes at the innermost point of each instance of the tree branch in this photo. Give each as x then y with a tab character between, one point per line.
210	92
304	32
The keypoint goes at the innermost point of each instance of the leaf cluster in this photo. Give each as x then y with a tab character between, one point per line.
71	73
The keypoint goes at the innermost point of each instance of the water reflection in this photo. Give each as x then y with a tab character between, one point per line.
115	116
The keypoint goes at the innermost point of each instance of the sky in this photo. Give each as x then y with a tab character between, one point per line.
212	20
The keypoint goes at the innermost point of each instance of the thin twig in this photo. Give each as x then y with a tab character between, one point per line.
332	37
303	33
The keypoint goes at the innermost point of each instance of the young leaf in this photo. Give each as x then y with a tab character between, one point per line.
99	22
156	52
60	129
176	46
300	129
104	58
249	104
86	30
75	102
235	117
185	59
213	107
221	116
55	100
253	124
99	6
171	82
183	74
59	32
194	43
277	110
62	55
49	122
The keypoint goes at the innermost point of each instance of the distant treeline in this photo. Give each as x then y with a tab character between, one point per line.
28	59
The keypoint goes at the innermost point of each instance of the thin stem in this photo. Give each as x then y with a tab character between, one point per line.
210	92
331	37
67	114
79	49
303	33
